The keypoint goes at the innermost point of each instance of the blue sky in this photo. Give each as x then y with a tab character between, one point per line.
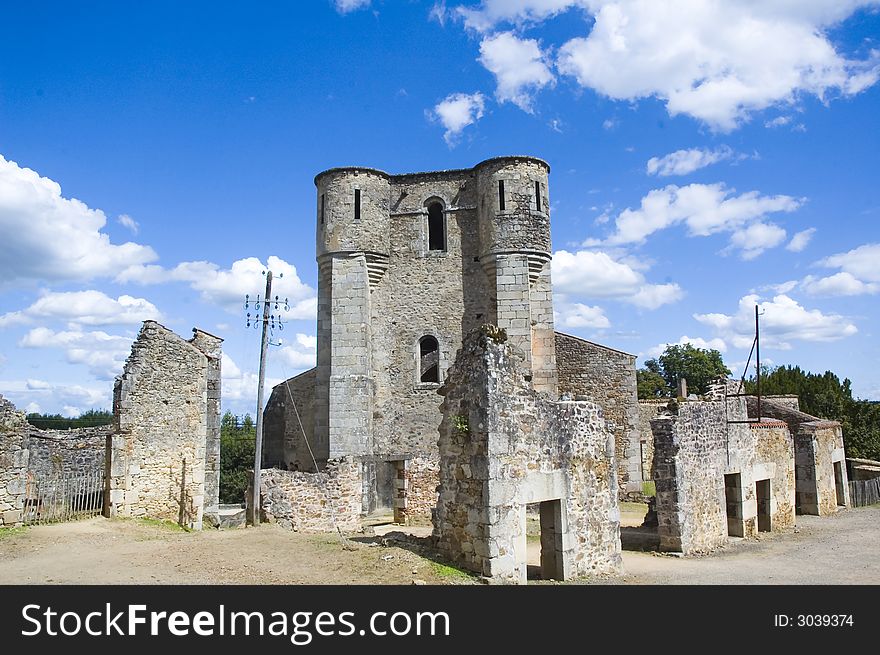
706	156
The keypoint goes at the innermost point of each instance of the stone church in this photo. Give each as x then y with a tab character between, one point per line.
408	264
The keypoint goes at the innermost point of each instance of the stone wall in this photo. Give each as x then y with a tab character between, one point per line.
283	444
689	465
157	455
775	461
504	446
13	463
607	377
67	452
648	411
312	502
416	489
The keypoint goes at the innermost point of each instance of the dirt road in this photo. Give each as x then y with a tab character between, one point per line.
842	549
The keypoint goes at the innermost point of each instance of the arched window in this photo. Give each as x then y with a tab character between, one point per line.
436	227
429	359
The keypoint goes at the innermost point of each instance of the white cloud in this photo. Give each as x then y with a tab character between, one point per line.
610	123
519	68
682	162
227	287
85	308
578	315
52	398
347	6
756	238
697	342
104	354
705	209
238	387
299	356
801	240
49	237
783	320
779	121
715	60
591	274
839	284
33	408
456	111
862	262
439	12
127	221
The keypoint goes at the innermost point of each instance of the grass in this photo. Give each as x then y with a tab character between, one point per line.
164	524
6	533
449	572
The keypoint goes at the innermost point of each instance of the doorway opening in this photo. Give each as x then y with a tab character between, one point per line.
544	540
762	494
733	501
838	484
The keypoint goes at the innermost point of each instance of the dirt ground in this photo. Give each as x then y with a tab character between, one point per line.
842	549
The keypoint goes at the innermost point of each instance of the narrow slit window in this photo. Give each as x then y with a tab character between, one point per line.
429	359
357	204
436	227
501	195
322	209
537	196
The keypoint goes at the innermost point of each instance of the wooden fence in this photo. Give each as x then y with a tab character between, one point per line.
864	492
64	497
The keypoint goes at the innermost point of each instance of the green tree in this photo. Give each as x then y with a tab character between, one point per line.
237	439
699	366
87	419
650	384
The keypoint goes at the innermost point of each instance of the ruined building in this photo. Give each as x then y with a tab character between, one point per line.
409	264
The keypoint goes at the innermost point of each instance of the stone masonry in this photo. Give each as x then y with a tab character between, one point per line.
13	463
589	371
163	458
503	446
408	264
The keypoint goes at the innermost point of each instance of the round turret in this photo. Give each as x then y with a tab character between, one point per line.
513	205
353	211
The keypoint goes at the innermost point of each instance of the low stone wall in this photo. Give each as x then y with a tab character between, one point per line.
504	446
14	456
312	502
607	377
416	492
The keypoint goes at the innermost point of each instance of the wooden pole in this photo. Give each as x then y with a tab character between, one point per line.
258	444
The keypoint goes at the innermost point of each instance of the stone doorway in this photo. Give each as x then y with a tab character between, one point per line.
762	495
733	501
545	560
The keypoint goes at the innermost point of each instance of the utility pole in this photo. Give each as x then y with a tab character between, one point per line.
758	358
267	321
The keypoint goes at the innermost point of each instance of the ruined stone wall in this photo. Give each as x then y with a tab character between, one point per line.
283	443
819	449
158	452
67	452
210	346
14	456
689	466
416	487
775	460
648	411
503	446
313	502
607	377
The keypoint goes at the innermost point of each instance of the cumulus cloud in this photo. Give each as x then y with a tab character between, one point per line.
706	209
456	111
595	274
300	355
519	67
839	284
715	60
85	308
577	315
49	237
801	240
347	6
69	399
783	320
862	262
682	162
756	238
697	342
227	288
238	387
103	354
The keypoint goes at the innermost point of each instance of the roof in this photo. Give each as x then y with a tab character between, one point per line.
597	345
377	171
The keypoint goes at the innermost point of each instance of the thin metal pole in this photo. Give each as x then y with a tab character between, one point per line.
758	358
258	444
